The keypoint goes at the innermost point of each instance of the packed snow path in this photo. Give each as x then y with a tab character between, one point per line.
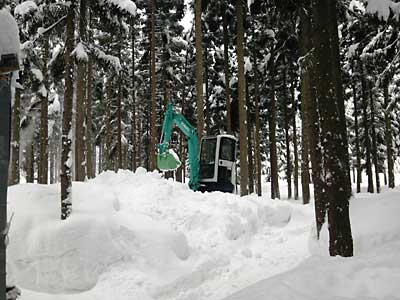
140	237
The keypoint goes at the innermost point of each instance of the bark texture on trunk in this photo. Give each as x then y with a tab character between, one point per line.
153	83
337	77
226	71
29	157
15	139
107	162
336	168
357	137
272	133
287	136
66	156
90	147
44	119
366	132
244	167
295	146
389	137
311	124
249	138
80	168
133	105
199	69
374	139
257	152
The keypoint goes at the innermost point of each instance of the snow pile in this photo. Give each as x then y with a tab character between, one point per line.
9	34
373	273
138	236
25	8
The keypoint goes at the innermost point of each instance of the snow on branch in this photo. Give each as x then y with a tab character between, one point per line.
124	5
382	8
25	8
80	53
113	60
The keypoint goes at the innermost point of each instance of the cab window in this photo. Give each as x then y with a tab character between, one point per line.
207	158
227	149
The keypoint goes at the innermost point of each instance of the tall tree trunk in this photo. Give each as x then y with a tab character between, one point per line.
272	133
226	71
52	163
15	139
90	147
314	146
207	116
107	138
101	156
153	83
44	119
244	167
295	147
29	158
287	137
374	139
366	131
337	76
249	138
119	164
199	69
257	152
357	137
119	106
388	136
80	101
133	119
66	157
340	237
180	173
305	173
306	108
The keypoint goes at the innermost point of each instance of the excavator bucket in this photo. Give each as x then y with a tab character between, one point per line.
167	162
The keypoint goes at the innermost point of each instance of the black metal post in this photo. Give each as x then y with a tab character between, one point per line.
5	118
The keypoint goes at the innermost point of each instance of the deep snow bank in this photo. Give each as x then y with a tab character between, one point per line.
373	273
137	236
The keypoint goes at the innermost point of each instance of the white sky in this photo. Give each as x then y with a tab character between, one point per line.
188	18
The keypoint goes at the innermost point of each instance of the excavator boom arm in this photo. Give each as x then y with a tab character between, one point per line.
171	118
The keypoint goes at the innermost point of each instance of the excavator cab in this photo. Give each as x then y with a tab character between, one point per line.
218	163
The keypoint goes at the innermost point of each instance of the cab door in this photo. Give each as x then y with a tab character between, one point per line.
226	163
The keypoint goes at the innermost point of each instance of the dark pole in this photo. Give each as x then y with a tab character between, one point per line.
5	115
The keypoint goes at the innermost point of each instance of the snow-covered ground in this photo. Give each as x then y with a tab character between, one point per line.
372	274
140	237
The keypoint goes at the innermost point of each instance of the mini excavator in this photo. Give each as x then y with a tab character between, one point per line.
213	168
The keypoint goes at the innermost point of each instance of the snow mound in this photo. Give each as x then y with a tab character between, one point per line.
373	273
148	238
